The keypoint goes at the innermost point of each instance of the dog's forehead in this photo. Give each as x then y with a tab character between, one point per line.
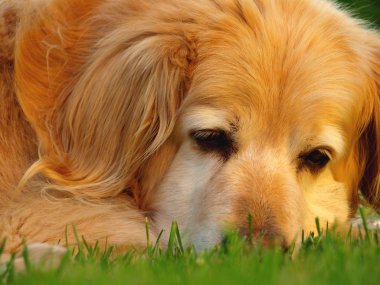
312	92
280	74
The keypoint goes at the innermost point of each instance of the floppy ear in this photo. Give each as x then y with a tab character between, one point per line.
17	141
116	111
370	141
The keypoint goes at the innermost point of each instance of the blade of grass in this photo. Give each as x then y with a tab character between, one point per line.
25	256
171	239
360	233
2	246
147	232
80	254
365	225
319	231
349	234
88	248
250	229
157	244
179	239
174	242
107	253
66	238
376	237
9	272
96	248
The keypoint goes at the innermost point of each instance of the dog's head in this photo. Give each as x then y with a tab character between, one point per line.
207	110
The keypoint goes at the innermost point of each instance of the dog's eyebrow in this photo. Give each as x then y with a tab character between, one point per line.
332	137
206	118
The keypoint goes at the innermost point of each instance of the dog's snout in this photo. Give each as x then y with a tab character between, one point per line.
269	194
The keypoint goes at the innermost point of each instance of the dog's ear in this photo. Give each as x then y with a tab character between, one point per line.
370	140
113	90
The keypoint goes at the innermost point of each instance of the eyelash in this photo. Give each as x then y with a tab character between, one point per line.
214	141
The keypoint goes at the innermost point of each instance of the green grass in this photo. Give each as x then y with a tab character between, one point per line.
366	9
322	259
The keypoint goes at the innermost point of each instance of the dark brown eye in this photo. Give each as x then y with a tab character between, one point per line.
316	159
213	141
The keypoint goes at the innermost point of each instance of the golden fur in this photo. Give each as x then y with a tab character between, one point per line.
102	104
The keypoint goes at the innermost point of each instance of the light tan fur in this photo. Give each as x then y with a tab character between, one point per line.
99	100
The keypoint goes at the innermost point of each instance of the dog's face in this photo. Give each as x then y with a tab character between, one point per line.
270	126
269	108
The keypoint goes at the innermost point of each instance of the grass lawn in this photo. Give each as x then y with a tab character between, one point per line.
322	259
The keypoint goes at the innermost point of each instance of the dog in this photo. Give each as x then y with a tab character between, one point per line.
117	114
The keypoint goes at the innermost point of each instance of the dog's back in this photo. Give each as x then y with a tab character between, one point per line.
17	140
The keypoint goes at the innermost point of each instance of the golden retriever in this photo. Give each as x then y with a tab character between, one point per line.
200	111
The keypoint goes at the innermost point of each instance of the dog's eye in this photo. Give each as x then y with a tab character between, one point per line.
210	139
213	140
316	159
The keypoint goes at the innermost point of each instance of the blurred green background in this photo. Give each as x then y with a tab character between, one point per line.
366	9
